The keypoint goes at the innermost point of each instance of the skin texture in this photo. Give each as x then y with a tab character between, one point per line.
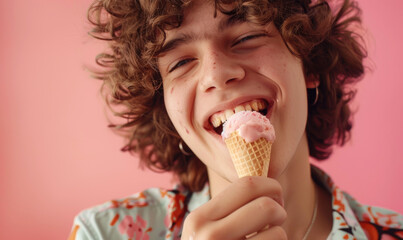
215	66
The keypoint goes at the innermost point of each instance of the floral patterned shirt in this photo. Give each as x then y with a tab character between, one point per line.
159	214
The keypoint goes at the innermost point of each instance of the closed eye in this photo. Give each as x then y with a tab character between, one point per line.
181	63
249	37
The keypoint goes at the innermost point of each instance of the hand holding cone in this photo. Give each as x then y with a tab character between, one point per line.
249	136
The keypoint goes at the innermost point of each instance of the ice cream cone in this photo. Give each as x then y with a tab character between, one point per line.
250	159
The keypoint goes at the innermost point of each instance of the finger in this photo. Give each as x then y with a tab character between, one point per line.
275	232
250	218
241	192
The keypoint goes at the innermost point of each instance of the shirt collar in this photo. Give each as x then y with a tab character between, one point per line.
345	223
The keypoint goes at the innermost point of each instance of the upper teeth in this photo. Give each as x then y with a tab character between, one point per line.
219	118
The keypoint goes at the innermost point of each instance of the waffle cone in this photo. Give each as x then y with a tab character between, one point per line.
250	159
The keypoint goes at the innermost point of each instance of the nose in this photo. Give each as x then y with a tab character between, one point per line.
220	70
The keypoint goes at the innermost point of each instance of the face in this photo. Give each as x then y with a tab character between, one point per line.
211	66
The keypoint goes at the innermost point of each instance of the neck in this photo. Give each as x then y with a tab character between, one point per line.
298	192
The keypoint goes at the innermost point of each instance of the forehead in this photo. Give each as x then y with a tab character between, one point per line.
202	18
198	14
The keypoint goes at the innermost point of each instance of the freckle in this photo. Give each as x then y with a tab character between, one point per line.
214	63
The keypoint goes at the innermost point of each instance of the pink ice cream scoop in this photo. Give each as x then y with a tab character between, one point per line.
250	126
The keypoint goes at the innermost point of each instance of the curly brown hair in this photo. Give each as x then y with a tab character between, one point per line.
330	50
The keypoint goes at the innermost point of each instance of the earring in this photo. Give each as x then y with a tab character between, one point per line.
316	95
182	149
312	100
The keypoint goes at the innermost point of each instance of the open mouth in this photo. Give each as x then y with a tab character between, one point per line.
218	119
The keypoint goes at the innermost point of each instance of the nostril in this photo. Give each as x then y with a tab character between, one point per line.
210	89
230	80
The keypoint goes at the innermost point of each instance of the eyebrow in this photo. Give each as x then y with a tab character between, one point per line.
173	43
184	38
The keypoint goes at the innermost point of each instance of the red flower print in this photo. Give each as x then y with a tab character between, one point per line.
338	201
131	202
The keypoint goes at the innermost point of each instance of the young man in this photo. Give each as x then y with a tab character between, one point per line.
175	66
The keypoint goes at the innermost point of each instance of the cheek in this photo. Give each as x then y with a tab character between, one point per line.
172	100
171	104
176	99
283	67
272	62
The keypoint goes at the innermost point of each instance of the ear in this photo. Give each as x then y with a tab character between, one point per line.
312	81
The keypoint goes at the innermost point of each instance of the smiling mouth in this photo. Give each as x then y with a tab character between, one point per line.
218	119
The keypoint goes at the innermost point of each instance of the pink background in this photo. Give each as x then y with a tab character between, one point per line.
58	157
